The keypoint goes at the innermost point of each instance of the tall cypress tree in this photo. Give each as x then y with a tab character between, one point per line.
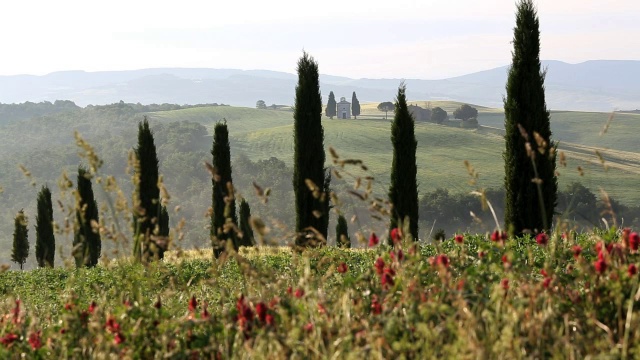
355	106
403	190
150	221
20	251
312	205
87	245
245	225
332	106
223	205
530	182
342	233
45	238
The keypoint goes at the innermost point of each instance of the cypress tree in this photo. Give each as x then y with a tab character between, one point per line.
530	181
310	178
403	190
20	251
45	239
332	106
245	225
86	243
355	106
342	233
223	204
150	221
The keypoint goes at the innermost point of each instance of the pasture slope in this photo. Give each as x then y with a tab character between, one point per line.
442	150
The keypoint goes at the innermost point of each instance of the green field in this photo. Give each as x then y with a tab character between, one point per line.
442	150
464	299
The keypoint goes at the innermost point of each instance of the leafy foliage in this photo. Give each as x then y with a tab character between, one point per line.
245	225
223	203
465	112
386	107
530	157
45	238
310	178
438	115
331	109
20	251
403	189
355	105
87	244
148	245
342	233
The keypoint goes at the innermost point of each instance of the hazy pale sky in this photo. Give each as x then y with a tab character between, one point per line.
401	38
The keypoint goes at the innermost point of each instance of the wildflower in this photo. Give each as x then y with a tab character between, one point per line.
379	265
289	290
546	282
205	313
505	284
68	306
118	339
459	239
600	264
505	261
481	254
542	239
299	293
632	270
308	327
577	250
322	309
269	319
92	307
373	240
400	255
261	310
543	272
193	304
396	235
376	307
387	279
112	325
634	241
342	268
442	260
9	339
498	236
35	340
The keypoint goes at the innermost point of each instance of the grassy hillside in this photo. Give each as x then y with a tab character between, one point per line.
442	150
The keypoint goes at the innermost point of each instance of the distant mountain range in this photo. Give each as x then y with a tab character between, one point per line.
599	85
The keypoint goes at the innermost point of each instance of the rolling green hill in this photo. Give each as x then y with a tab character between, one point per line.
442	150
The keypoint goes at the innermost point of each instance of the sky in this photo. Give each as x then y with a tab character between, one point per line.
423	39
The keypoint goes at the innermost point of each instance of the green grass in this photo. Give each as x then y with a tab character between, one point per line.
452	300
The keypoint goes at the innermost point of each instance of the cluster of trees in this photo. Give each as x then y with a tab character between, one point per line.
150	216
530	185
262	105
332	106
28	110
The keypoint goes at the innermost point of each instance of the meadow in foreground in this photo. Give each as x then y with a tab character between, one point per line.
566	296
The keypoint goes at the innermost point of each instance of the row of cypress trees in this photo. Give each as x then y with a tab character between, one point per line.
151	219
530	154
530	170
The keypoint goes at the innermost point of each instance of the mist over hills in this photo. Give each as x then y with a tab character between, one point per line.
599	85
